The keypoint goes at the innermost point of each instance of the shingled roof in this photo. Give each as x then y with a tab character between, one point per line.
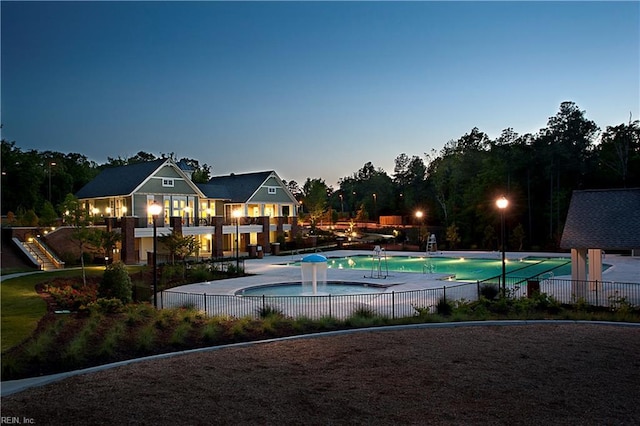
605	219
235	188
118	181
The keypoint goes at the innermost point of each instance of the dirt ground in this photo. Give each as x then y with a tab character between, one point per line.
550	374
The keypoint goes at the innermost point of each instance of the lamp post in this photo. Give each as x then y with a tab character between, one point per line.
187	210
154	210
419	215
236	214
375	199
502	204
51	163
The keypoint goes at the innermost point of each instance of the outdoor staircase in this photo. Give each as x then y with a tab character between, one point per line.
41	255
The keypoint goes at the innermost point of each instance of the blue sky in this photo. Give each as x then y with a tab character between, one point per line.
307	89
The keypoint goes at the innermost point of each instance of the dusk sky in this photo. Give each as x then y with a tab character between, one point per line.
306	89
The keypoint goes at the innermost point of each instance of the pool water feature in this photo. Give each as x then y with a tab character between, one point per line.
459	268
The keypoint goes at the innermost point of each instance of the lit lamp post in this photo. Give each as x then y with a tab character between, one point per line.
237	214
375	208
187	210
502	204
154	210
419	215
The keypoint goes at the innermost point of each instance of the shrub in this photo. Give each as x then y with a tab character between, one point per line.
489	291
116	283
170	275
444	307
212	331
146	338
198	273
108	306
364	312
111	339
72	297
138	314
180	333
269	311
501	306
165	319
421	311
233	270
141	291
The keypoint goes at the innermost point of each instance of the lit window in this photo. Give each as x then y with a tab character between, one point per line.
167	182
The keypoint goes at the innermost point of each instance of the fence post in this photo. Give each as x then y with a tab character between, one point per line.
205	302
393	305
444	293
263	299
597	304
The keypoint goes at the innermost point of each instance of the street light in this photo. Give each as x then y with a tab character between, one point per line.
51	163
419	215
154	210
502	204
375	199
237	214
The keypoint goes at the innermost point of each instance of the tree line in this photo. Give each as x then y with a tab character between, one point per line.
455	187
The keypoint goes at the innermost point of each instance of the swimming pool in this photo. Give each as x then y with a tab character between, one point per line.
333	288
460	268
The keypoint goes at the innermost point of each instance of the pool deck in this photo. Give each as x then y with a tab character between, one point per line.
274	269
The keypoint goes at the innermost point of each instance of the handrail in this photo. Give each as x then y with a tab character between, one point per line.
29	253
59	264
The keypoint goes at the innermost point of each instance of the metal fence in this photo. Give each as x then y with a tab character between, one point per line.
400	304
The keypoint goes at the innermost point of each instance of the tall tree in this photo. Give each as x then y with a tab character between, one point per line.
619	151
315	198
76	216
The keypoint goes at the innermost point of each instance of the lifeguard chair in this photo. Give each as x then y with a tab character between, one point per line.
379	267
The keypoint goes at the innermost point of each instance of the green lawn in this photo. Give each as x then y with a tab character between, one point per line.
22	308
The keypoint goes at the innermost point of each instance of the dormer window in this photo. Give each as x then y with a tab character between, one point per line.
167	183
272	190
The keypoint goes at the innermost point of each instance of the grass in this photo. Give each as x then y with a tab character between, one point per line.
21	307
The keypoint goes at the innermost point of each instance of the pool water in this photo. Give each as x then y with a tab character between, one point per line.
297	289
464	269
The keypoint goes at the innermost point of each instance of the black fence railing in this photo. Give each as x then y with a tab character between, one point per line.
403	303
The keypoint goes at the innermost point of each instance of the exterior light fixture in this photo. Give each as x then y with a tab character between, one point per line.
154	210
502	203
237	214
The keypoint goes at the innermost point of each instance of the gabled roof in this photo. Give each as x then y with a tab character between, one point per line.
233	187
604	219
121	180
125	180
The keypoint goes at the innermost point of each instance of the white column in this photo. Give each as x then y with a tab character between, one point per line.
595	267
578	272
